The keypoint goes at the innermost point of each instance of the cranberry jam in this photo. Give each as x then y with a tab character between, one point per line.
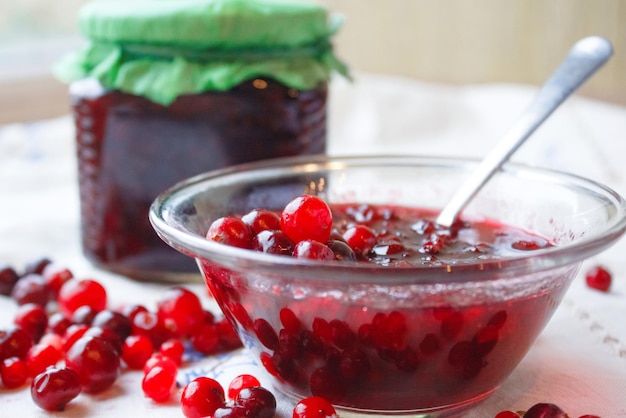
433	349
130	149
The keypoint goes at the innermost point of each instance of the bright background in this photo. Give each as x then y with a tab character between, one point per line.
450	41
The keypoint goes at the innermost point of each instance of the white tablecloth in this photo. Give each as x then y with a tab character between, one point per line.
578	362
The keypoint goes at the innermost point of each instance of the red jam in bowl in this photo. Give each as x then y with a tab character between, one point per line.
423	347
130	149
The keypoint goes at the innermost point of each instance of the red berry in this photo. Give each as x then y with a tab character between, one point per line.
231	231
85	292
159	382
72	334
272	242
58	323
314	407
545	410
289	320
148	324
180	311
158	359
115	321
8	278
313	250
42	356
240	382
108	335
14	342
53	389
265	333
83	315
31	288
229	340
206	339
342	251
261	220
33	319
598	278
257	401
507	414
173	349
136	351
13	372
360	238
307	218
96	362
56	276
202	397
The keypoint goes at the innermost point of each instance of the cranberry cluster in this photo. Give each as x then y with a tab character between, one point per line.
305	229
66	341
540	410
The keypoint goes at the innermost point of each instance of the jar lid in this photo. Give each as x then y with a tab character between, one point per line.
161	49
223	24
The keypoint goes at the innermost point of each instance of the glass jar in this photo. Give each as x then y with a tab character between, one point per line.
145	122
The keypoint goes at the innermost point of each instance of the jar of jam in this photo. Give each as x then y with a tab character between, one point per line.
167	89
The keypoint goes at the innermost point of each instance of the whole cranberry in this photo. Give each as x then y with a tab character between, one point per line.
56	276
14	342
240	382
13	372
33	319
81	292
507	414
95	361
8	278
257	401
545	410
180	310
83	315
307	218
158	382
53	389
313	250
272	242
115	321
231	231
42	356
202	397
136	351
598	278
31	288
314	407
261	220
147	323
108	335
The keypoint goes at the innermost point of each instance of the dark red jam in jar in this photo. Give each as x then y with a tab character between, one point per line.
153	109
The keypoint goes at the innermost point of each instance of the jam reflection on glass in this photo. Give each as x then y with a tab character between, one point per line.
401	348
131	149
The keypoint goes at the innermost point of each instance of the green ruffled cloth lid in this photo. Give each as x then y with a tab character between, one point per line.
161	49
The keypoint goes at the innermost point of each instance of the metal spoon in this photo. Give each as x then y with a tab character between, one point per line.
584	59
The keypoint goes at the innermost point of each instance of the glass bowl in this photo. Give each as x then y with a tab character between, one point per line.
451	334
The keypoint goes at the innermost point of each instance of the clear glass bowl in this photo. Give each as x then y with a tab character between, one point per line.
462	329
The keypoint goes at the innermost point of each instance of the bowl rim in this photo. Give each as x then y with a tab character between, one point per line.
239	259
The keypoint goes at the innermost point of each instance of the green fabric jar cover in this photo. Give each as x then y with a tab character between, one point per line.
161	49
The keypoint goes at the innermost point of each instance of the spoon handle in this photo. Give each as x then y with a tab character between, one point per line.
584	59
